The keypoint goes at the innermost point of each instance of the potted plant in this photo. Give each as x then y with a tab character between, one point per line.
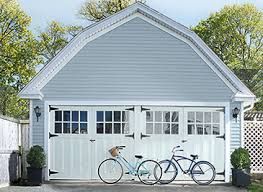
241	167
36	159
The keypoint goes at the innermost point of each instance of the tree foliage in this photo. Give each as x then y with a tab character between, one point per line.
54	38
96	10
18	57
235	34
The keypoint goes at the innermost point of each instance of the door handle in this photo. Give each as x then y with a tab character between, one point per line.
92	140
142	136
131	135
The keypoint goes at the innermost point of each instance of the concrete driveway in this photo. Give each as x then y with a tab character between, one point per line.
121	187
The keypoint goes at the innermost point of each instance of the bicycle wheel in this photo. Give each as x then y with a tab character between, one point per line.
169	171
110	171
149	172
203	173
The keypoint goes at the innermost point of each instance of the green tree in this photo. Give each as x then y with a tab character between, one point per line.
96	10
235	34
18	57
54	38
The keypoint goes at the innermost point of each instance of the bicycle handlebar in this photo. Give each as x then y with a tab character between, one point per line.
120	147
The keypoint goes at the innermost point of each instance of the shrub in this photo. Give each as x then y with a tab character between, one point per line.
36	157
240	159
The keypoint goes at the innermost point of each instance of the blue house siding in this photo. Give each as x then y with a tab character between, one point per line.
38	126
137	61
235	139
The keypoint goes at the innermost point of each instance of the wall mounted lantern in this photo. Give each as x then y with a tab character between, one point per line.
37	112
235	112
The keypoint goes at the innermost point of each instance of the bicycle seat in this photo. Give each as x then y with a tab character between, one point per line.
139	156
194	156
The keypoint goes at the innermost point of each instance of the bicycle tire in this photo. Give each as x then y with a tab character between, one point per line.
166	177
144	169
110	163
197	170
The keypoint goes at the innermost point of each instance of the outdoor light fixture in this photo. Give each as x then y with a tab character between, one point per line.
235	112
37	112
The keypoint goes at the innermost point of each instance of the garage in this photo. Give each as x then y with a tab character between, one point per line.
80	137
137	79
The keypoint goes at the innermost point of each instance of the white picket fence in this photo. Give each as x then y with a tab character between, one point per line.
14	138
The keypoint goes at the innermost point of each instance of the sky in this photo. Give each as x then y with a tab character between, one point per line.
186	12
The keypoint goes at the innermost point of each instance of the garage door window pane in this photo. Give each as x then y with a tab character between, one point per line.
216	117
75	128
166	117
58	127
208	130
75	116
66	116
125	128
108	128
199	128
175	117
191	129
125	117
99	128
149	128
158	116
166	128
83	128
117	128
158	128
117	116
191	117
175	129
199	117
58	115
100	116
216	130
149	116
83	116
208	117
66	128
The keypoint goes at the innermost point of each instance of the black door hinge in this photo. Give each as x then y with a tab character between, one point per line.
142	136
131	135
144	109
52	135
130	109
50	172
221	173
52	108
221	137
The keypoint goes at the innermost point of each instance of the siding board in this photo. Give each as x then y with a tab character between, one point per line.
137	61
38	126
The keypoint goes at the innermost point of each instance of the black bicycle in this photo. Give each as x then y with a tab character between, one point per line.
202	172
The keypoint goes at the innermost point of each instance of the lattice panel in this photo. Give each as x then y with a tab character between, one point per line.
254	144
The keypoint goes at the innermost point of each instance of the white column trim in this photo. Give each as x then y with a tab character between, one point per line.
30	122
227	143
242	131
46	139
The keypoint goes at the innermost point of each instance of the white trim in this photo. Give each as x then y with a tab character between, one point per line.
243	97
144	103
31	122
46	139
114	21
227	142
4	185
242	131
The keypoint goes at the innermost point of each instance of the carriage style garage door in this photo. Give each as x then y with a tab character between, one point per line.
80	136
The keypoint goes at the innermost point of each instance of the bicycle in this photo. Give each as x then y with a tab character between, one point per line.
110	170
202	172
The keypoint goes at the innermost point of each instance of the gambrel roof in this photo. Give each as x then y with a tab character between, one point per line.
33	89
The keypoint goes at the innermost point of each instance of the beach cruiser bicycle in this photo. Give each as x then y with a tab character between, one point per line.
202	172
110	170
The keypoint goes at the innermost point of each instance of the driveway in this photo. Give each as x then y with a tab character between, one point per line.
80	187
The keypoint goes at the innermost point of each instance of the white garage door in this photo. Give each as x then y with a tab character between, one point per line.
83	136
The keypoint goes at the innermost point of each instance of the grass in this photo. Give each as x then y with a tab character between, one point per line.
255	187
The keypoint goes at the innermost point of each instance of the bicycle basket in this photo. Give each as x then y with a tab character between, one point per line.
114	152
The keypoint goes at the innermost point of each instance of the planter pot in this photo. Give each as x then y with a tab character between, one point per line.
241	177
35	175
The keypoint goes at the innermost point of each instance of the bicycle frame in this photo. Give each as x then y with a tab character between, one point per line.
180	158
132	169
